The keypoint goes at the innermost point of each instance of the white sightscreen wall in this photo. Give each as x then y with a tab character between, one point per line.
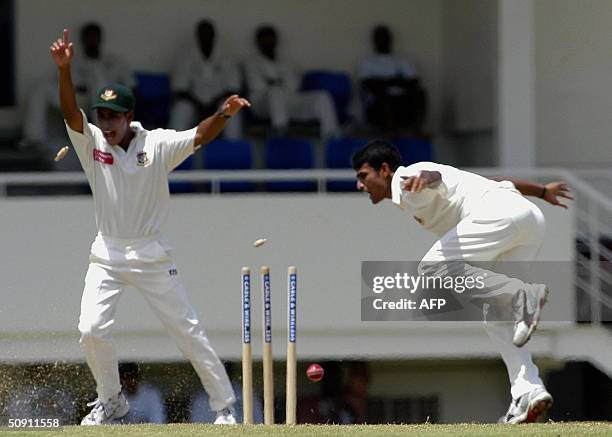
573	42
469	29
45	256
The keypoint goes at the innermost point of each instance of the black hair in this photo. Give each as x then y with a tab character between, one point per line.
382	30
265	31
127	369
377	152
205	25
92	26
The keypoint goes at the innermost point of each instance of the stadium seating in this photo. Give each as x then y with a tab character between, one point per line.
180	187
223	154
338	84
153	99
289	153
414	149
338	154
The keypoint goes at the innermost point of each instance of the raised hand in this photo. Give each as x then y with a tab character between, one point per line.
232	105
554	191
62	50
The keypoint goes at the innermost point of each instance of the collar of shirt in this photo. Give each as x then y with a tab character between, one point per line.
137	128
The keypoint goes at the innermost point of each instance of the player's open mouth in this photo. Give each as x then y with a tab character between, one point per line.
108	134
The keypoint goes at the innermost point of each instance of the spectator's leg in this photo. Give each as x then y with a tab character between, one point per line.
233	127
317	105
278	108
182	115
43	96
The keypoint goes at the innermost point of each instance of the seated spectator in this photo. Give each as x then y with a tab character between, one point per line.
90	71
392	96
273	89
356	391
41	402
145	401
330	406
202	81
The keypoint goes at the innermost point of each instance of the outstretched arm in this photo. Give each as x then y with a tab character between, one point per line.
62	51
550	192
209	128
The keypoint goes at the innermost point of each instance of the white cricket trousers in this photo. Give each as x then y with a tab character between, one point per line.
162	288
504	226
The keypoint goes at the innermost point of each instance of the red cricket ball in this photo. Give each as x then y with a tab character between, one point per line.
315	372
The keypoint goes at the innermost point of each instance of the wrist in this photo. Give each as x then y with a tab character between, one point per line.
543	192
432	179
223	114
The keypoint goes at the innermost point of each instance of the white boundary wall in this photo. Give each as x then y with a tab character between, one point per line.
46	243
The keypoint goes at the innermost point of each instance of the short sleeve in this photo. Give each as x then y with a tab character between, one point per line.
231	76
254	77
84	143
290	77
425	197
174	146
407	69
364	70
180	77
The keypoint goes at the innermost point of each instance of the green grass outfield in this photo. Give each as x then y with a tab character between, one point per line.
464	429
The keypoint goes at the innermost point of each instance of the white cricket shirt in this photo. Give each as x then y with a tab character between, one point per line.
130	188
443	207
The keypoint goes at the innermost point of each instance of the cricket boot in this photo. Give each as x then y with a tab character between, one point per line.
527	307
106	412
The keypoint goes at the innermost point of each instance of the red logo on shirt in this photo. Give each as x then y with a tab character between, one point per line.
103	157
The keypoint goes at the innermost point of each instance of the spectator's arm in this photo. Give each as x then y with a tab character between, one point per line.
290	77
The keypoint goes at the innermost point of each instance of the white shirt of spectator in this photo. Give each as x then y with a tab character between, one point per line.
99	72
440	208
205	78
260	70
130	188
385	66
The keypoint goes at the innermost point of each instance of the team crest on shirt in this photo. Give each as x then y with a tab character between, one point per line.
108	94
143	159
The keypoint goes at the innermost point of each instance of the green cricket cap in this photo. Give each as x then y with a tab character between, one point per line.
115	97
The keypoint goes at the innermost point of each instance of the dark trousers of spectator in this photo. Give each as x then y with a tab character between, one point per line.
393	107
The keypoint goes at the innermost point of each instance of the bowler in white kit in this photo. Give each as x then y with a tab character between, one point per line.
476	219
127	168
